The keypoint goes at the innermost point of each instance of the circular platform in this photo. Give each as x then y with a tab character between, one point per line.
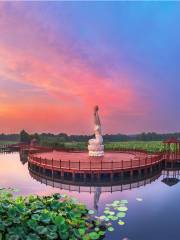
83	156
80	162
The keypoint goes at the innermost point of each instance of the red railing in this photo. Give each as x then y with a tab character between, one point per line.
94	165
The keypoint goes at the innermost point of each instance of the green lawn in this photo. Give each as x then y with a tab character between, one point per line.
150	146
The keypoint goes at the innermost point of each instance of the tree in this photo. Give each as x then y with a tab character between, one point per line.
63	137
35	136
25	137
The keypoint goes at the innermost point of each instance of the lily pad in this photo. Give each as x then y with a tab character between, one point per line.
101	233
116	202
97	229
121	222
94	235
106	212
91	212
121	214
124	201
122	209
114	218
110	229
111	213
107	208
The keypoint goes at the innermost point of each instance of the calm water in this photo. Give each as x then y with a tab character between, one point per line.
157	217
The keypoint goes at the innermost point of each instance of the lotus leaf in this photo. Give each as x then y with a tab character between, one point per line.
110	229
47	217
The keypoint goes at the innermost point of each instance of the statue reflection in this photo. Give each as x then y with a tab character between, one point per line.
97	197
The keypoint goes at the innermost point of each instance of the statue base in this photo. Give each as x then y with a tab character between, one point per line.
96	150
96	153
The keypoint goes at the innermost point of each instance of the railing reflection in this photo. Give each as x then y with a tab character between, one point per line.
107	182
86	185
169	177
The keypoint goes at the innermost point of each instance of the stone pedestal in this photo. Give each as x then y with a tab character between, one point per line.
96	150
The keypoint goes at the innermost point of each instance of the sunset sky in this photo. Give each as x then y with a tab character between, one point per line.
59	59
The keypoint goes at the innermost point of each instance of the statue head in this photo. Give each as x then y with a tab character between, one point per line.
96	108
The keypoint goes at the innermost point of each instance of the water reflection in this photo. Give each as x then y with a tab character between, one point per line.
23	157
92	186
171	178
97	197
160	192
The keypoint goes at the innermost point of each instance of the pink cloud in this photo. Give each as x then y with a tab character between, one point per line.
72	87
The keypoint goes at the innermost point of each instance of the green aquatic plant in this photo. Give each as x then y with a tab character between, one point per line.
122	209
47	217
110	229
114	212
121	222
121	214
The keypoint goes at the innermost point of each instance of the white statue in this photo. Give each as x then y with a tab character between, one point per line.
96	147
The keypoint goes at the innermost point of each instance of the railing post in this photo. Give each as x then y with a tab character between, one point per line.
101	164
60	164
131	164
69	164
79	165
111	165
122	164
52	162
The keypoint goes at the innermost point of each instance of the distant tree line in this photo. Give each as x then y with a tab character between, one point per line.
25	137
